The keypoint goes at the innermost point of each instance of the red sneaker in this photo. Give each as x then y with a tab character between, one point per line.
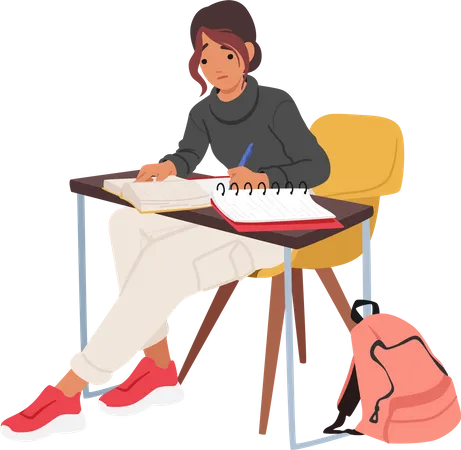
52	412
148	385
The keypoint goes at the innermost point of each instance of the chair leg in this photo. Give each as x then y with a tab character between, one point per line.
333	287
219	302
274	334
298	306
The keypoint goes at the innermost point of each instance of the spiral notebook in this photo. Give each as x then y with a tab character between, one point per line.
277	209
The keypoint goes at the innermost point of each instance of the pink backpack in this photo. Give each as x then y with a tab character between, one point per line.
406	394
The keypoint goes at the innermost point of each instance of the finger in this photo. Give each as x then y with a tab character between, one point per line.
232	171
143	176
161	177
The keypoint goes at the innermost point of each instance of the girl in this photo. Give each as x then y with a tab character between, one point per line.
159	261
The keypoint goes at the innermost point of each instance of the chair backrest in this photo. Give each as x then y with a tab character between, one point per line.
365	152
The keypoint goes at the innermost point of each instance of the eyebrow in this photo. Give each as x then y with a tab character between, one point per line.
223	47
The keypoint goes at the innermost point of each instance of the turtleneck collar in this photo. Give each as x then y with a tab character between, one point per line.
240	108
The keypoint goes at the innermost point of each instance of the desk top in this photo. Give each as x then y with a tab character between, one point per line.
348	213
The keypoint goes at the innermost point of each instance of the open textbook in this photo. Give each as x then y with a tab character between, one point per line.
172	194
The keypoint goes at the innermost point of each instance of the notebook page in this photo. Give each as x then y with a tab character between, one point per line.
271	207
230	204
283	205
303	204
300	206
237	207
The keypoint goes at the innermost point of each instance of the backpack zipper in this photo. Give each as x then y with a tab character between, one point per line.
375	417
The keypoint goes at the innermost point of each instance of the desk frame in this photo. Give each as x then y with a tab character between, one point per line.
366	263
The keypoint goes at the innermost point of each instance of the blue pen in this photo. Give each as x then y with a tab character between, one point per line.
246	155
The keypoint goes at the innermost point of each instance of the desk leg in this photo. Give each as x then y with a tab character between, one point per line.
82	286
290	363
366	265
289	346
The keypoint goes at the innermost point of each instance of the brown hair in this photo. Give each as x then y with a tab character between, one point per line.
222	37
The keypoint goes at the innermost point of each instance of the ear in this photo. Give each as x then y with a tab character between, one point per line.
251	49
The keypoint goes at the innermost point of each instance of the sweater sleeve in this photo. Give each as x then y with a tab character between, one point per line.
308	161
192	149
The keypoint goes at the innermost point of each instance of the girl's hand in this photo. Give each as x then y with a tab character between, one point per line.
150	169
242	175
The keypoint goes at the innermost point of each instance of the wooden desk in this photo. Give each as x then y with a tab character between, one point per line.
348	213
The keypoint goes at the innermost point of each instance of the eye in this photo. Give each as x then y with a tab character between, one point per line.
204	61
230	56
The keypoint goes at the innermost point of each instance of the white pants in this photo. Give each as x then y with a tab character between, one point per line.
159	262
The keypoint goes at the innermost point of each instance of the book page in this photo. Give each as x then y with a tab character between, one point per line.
115	186
171	194
271	207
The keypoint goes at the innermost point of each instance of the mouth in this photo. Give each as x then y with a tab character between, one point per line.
222	76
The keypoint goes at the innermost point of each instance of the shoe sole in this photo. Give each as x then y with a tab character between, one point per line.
162	396
67	423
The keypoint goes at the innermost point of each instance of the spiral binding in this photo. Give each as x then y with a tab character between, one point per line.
264	184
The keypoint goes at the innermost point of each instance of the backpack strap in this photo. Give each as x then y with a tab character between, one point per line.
355	316
374	418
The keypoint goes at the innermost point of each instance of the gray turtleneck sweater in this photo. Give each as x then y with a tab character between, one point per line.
283	146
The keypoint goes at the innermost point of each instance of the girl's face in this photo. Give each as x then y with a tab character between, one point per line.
220	64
